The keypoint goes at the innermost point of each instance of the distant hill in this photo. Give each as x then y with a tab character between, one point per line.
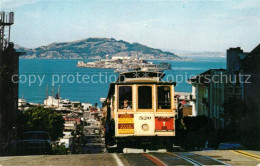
204	54
193	54
95	48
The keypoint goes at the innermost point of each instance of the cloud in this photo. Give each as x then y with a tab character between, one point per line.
12	4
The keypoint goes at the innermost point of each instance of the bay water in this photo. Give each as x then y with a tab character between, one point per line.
90	84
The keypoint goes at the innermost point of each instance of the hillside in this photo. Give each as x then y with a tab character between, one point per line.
95	48
194	54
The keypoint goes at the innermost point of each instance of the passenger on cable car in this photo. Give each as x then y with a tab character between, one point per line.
126	105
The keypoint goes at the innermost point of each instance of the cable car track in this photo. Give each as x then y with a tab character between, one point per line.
180	158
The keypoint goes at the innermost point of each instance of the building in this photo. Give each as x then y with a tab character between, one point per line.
52	102
72	117
70	125
217	96
250	90
235	57
86	106
61	103
200	89
186	102
9	66
216	88
67	140
209	89
120	57
244	71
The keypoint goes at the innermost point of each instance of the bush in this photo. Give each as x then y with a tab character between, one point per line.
59	149
42	119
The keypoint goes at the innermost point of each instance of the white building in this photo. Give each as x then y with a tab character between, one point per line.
22	102
86	105
66	140
120	57
70	125
52	101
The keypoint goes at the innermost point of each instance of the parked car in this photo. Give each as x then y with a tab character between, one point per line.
34	143
230	146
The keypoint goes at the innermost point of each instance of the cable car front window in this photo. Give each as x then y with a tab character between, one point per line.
164	97
145	97
125	97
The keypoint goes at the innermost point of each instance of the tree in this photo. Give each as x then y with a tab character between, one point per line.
80	139
42	119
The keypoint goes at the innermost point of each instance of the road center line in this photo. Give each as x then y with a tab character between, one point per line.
118	161
243	154
247	153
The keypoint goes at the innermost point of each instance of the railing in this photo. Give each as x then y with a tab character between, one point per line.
6	18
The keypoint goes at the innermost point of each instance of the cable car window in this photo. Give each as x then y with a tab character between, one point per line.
164	97
125	97
145	97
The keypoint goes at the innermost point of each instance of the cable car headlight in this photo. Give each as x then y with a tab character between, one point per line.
145	127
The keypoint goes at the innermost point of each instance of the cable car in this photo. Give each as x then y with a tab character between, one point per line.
140	111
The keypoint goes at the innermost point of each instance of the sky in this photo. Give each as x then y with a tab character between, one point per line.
194	25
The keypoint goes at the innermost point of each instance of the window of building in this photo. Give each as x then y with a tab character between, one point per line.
164	97
125	97
145	97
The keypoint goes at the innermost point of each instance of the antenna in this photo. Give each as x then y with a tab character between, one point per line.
59	91
59	96
52	93
46	91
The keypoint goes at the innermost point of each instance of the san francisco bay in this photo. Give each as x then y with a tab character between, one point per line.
37	74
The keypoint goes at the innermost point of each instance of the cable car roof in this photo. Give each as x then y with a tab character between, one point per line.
138	77
135	74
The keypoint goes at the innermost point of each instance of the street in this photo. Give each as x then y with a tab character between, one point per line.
214	157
